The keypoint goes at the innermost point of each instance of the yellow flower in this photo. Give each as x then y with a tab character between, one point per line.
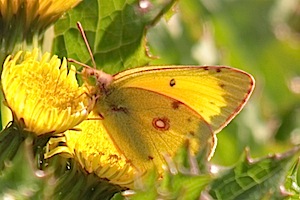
33	14
23	22
93	148
44	95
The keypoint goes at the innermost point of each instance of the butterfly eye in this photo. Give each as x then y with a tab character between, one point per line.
172	82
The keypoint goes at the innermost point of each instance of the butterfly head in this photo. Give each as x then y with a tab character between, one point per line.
100	78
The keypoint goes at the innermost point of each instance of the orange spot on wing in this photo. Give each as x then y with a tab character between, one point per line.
161	124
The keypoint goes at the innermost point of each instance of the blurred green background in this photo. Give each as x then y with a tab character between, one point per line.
258	36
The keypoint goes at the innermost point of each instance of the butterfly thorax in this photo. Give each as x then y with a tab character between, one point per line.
106	101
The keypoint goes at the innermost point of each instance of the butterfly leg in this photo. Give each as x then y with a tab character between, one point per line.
97	118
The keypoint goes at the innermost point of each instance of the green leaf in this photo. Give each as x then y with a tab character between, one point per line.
115	30
181	180
183	186
292	181
251	179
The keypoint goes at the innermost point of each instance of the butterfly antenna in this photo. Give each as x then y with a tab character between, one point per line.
86	43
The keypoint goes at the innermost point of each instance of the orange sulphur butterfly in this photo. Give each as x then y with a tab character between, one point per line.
147	111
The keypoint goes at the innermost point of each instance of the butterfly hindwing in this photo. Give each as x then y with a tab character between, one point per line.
144	124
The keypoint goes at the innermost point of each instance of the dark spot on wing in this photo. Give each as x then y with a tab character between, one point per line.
218	70
116	108
192	133
172	82
150	157
205	68
176	104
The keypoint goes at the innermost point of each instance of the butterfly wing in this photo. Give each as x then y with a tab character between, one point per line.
144	124
216	93
153	110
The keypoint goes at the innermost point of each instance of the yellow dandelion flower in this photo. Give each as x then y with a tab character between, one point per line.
33	13
44	95
23	22
93	148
